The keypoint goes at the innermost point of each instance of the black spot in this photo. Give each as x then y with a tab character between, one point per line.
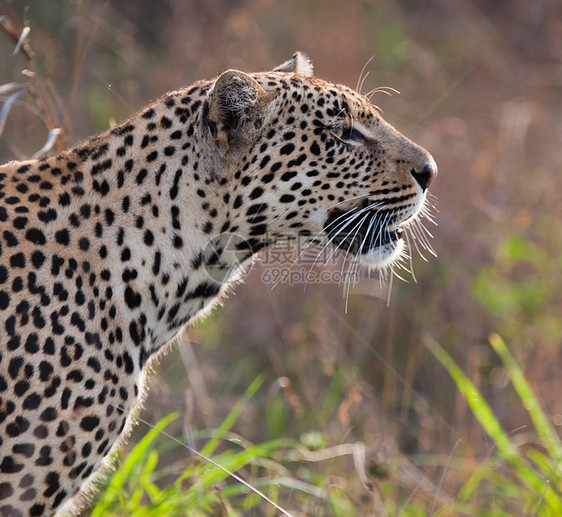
10	239
37	510
89	423
21	222
148	237
287	149
102	188
32	401
48	415
62	237
141	175
8	466
36	236
6	491
94	364
84	244
77	321
102	166
129	274
109	216
256	209
288	176
4	300
258	229
125	254
136	336
17	260
156	264
128	362
31	343
238	201
45	216
197	260
132	298
203	290
257	192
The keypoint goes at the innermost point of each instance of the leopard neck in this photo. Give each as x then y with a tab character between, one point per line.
151	219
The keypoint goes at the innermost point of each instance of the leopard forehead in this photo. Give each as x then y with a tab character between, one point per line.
108	249
329	101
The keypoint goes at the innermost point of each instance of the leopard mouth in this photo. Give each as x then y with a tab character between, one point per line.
389	237
374	236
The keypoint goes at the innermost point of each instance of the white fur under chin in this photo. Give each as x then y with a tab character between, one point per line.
382	256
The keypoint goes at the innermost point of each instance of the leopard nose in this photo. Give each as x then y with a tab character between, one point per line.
425	175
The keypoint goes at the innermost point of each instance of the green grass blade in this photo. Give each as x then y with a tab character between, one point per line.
480	408
228	422
145	484
208	475
527	396
471	485
542	461
114	490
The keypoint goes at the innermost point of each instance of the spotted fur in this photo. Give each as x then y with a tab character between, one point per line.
105	248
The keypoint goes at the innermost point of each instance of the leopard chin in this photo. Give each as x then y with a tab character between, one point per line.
383	255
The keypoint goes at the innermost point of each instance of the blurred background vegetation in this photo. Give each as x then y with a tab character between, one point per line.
481	89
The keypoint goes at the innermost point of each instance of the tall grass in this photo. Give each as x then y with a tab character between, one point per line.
523	476
142	485
526	473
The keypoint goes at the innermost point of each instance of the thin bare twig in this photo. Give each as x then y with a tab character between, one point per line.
6	108
19	35
51	139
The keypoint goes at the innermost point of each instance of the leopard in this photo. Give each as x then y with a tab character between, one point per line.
110	248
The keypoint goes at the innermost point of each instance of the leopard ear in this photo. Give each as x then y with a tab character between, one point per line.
298	64
236	106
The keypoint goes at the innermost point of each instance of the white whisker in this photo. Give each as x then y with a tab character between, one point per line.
360	80
311	241
363	82
351	275
341	227
407	236
369	207
387	90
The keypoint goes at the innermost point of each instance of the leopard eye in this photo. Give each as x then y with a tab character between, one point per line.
348	134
